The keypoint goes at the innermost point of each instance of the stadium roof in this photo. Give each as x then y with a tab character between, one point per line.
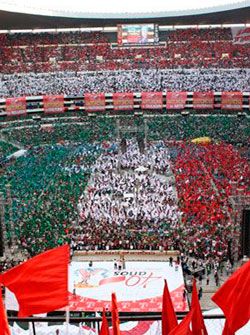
24	14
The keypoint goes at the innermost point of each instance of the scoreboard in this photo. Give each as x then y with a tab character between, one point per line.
137	34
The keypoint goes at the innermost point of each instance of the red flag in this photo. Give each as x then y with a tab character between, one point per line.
233	298
4	326
198	325
226	331
115	316
168	317
40	284
184	327
105	327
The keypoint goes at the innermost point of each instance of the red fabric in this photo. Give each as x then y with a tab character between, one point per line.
4	326
105	327
233	298
184	327
94	102
16	106
168	317
151	100
198	325
231	100
176	100
53	104
123	101
40	284
226	330
115	316
203	100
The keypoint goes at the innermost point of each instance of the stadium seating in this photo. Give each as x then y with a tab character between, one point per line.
47	52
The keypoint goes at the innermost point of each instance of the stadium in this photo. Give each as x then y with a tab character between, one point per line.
124	167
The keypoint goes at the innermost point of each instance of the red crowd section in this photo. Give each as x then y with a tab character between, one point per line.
188	48
204	176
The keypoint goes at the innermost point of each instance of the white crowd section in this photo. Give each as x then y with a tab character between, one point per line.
130	186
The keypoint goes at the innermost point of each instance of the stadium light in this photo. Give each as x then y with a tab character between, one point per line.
186	26
15	31
233	25
204	26
91	29
169	27
111	29
67	29
43	30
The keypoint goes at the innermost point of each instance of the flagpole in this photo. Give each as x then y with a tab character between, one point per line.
33	328
96	324
67	320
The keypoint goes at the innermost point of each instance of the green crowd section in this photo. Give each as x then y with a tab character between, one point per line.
45	193
6	148
46	185
231	129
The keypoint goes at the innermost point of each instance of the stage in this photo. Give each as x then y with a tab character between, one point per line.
138	287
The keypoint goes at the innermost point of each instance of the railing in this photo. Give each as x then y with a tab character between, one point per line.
35	104
97	320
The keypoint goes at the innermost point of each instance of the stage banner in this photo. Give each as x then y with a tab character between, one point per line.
53	104
231	100
138	288
123	101
176	100
203	100
94	102
16	106
151	100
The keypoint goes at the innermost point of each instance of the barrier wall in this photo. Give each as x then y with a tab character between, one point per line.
104	102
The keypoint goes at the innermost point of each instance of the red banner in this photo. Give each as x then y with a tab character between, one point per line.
176	100
231	100
94	102
123	101
16	106
151	100
53	104
203	100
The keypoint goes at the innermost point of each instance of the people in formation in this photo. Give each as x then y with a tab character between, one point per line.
137	80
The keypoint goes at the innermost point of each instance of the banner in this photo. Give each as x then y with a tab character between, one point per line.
123	101
94	102
151	100
138	288
176	100
231	100
241	36
203	100
53	104
16	106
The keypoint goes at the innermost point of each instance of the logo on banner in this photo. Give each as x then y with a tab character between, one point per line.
91	278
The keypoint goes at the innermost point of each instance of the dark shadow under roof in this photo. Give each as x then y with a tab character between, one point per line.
10	20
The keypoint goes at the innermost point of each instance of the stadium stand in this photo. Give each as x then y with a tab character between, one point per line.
162	168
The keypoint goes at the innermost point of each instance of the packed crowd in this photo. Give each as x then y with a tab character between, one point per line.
52	38
126	207
203	181
6	149
230	129
76	84
190	48
48	183
204	176
45	187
